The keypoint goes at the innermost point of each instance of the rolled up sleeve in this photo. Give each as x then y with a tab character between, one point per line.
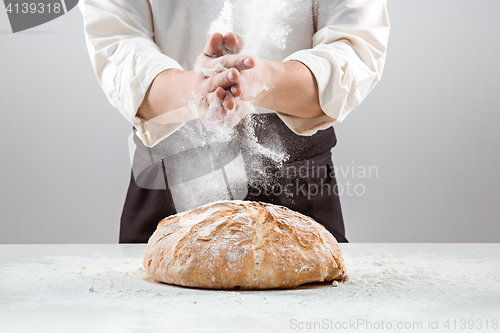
347	58
125	58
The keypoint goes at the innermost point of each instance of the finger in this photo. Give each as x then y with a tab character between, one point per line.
215	97
236	115
240	62
220	94
236	89
211	98
211	112
229	101
233	43
214	46
223	80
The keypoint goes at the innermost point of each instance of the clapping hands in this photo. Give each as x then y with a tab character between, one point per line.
225	76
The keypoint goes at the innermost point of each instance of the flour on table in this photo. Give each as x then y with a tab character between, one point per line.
380	286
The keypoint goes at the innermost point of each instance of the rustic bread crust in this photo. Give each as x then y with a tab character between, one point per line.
250	245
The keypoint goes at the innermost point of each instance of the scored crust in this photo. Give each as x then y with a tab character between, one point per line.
242	244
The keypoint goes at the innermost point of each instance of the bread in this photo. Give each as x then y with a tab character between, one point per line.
242	244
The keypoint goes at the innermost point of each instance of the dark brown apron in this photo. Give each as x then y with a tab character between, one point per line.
305	183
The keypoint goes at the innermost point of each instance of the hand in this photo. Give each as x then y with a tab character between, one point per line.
172	89
220	53
292	87
285	87
217	109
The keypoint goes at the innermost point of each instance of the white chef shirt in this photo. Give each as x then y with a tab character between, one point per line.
342	42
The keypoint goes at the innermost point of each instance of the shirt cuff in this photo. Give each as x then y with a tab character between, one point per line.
337	88
143	69
306	126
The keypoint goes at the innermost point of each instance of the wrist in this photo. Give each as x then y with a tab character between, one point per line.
169	90
292	89
270	76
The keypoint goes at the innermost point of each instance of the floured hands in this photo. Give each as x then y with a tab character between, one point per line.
286	87
225	106
214	83
219	68
227	84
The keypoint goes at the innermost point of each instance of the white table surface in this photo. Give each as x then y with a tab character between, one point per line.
103	288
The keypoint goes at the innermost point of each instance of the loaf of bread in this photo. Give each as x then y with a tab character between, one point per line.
242	244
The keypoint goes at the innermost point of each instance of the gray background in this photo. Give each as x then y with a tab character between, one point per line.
430	128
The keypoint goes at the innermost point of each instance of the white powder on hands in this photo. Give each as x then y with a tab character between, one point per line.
236	125
264	29
209	72
257	89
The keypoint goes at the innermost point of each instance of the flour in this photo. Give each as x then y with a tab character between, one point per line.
262	24
207	137
209	72
254	91
264	29
224	23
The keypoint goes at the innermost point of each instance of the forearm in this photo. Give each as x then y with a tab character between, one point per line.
292	89
170	90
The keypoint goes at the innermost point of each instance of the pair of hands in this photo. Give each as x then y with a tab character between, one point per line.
226	81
